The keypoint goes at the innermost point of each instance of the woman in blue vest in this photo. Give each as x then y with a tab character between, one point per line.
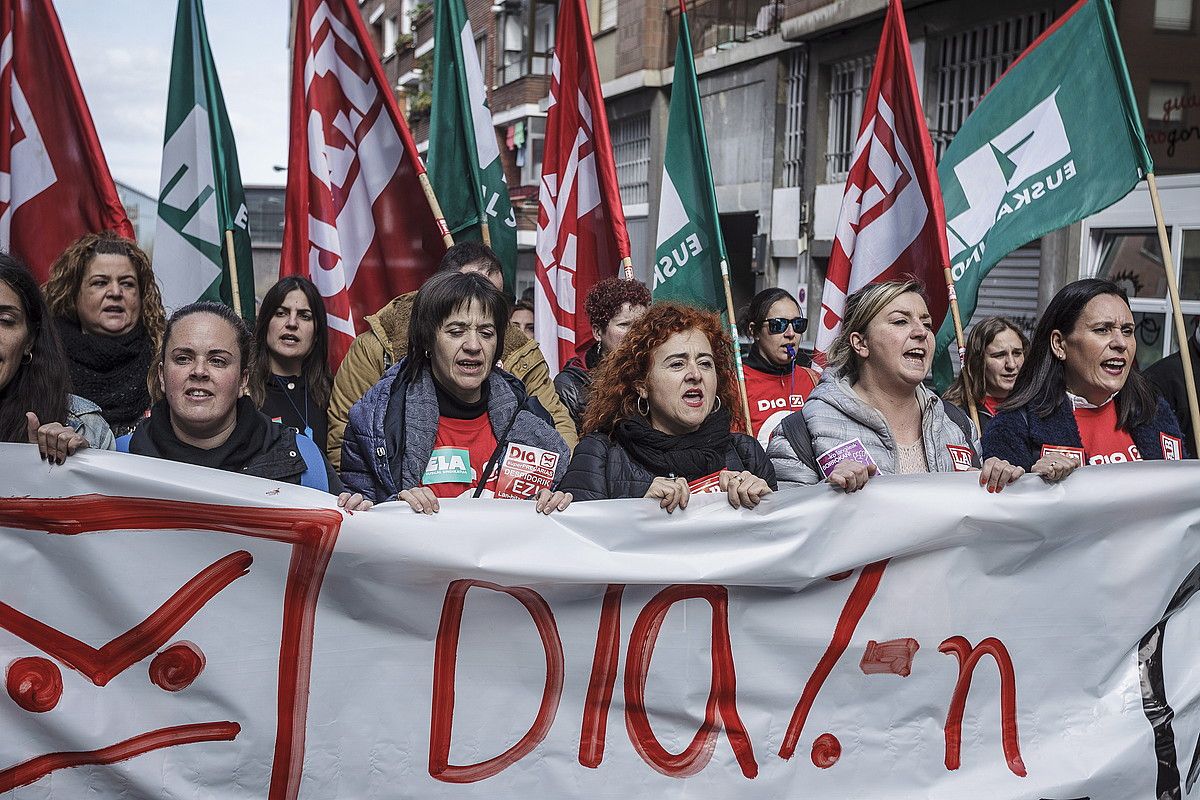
205	418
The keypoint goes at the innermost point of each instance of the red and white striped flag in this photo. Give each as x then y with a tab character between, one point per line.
581	236
54	182
891	222
357	222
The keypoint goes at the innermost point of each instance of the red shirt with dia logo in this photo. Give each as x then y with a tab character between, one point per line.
1103	441
773	397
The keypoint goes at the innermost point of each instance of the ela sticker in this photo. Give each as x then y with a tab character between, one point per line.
1071	453
962	456
448	465
1172	447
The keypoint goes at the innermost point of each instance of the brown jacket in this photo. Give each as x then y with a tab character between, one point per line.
387	342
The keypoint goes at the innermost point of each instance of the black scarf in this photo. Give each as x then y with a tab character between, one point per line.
690	455
109	370
242	446
756	361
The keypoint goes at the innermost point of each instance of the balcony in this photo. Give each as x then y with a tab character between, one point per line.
720	24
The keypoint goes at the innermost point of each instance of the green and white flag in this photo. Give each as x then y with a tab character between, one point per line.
1056	139
464	159
689	249
201	196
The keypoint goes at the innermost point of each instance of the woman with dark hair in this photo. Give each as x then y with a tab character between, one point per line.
775	385
995	352
109	315
35	404
660	420
289	377
445	421
205	419
1080	398
612	306
871	412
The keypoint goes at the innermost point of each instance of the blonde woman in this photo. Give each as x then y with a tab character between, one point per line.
110	318
871	413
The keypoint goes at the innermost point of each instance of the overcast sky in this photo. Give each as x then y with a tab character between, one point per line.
122	52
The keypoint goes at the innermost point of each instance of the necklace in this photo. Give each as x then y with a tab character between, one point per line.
308	431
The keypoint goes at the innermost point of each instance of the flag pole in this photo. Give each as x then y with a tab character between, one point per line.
627	268
737	346
962	347
233	274
434	206
1176	311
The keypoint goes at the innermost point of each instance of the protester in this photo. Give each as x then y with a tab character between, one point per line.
871	413
205	419
775	384
289	377
445	421
995	352
1080	398
612	306
35	405
1167	375
372	353
660	418
522	317
109	315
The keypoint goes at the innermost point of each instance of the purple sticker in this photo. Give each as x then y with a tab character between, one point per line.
852	450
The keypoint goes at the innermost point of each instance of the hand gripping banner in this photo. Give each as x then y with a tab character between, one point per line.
166	631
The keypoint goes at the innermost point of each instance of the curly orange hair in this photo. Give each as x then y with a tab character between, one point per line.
613	395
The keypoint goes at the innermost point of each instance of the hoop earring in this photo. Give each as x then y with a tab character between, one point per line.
28	357
644	412
717	407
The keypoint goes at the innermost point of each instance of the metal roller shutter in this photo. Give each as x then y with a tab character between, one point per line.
1011	288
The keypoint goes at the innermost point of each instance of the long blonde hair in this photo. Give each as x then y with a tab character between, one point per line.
861	308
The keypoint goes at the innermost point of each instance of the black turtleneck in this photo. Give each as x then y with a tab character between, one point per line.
755	360
450	406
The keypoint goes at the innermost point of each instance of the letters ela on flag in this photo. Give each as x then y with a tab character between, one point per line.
581	235
689	248
167	630
201	195
1057	138
54	181
356	220
462	142
891	221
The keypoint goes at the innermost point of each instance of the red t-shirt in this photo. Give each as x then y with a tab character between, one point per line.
991	405
773	397
1103	441
461	450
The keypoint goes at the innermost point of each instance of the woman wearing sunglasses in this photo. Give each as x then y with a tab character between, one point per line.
775	385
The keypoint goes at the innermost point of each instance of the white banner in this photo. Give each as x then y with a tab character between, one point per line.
167	631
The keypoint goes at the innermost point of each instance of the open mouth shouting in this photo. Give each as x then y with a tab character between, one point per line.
289	340
694	398
915	356
197	394
1114	367
469	367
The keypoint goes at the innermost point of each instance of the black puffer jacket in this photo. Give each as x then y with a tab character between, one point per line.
573	384
601	469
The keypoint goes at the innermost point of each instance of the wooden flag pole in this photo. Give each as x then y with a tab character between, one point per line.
962	346
436	208
1176	311
486	232
627	268
737	346
234	289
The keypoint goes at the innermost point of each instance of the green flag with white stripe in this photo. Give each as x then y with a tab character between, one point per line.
201	203
464	158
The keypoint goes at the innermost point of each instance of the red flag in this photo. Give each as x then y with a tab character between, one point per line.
54	181
891	222
581	236
356	219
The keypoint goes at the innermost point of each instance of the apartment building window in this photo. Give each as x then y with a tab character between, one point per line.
481	51
631	153
526	31
971	61
391	30
847	89
529	156
1173	15
608	15
793	128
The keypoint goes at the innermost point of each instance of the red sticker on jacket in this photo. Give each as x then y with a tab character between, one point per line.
963	457
1072	453
1172	447
706	485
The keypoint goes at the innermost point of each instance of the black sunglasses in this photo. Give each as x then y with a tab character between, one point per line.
777	325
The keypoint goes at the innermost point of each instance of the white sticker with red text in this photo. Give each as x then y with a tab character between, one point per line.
524	471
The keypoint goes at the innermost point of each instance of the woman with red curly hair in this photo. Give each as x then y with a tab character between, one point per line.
612	306
660	417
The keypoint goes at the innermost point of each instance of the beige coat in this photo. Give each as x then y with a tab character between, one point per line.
387	342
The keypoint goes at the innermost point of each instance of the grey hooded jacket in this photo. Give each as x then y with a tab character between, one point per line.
835	414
